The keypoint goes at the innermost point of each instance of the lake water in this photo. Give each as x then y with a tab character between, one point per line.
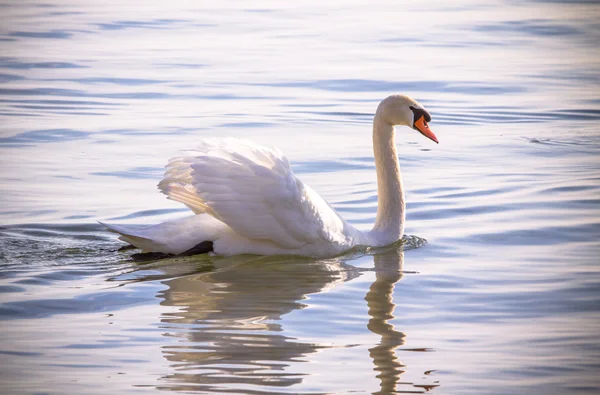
496	291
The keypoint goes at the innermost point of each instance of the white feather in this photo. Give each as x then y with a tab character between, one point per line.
254	191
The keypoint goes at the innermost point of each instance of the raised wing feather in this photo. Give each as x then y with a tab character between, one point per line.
254	191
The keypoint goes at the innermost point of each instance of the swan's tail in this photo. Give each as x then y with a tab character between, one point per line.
170	237
135	235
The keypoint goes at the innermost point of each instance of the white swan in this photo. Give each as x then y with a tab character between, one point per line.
247	200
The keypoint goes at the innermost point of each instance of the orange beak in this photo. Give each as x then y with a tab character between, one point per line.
422	126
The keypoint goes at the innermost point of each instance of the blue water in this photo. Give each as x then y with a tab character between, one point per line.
495	290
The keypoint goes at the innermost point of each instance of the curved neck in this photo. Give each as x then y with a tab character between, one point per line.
389	224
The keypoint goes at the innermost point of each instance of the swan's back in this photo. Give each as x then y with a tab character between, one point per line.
253	190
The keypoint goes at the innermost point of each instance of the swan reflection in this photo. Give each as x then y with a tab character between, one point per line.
228	327
388	271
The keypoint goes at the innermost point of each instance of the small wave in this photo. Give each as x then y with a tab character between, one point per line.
411	242
406	243
327	166
561	142
149	213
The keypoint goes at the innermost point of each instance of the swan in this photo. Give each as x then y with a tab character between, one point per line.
247	200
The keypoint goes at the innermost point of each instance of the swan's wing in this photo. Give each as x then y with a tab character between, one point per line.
254	191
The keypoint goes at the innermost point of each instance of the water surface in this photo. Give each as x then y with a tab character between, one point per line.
497	291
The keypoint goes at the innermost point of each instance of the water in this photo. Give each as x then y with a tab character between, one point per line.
502	298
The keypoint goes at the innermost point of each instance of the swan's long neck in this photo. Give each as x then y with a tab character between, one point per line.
389	225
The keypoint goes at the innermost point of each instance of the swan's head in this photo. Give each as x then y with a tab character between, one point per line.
404	110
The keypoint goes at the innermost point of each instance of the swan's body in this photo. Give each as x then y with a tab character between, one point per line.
247	200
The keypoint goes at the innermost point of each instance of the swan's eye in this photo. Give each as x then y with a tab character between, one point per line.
419	112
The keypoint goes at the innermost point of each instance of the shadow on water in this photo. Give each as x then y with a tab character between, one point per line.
229	328
17	64
61	34
150	24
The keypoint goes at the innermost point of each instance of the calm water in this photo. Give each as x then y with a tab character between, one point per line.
502	298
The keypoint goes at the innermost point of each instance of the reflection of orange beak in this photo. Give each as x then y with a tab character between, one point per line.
423	127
